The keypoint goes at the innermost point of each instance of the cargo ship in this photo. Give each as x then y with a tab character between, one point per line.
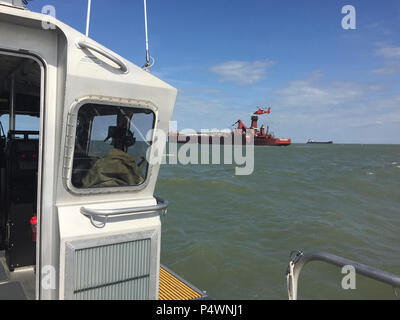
261	137
319	142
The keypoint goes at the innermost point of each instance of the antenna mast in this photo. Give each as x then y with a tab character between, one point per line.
88	17
147	65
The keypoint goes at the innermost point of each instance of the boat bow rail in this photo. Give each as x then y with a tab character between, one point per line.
299	259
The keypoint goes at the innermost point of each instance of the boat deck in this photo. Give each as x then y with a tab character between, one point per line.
173	287
17	285
20	284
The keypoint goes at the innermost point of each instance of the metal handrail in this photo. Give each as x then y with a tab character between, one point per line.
299	259
161	205
85	45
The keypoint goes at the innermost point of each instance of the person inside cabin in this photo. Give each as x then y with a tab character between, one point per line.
117	168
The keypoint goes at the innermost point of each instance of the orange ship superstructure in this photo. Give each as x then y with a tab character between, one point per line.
261	137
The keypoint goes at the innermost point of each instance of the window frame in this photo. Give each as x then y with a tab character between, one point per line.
70	137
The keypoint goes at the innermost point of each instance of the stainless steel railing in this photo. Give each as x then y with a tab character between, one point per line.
104	214
298	260
86	45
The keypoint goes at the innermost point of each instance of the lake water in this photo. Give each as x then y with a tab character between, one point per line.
232	235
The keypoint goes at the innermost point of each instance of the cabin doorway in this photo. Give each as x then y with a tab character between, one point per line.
20	111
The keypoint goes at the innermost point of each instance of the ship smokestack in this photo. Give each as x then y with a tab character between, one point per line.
254	122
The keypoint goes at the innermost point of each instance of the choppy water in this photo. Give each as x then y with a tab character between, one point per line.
232	235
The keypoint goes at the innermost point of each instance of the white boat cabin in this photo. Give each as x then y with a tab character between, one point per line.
78	215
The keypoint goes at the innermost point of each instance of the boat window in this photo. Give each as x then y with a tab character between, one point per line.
110	146
22	122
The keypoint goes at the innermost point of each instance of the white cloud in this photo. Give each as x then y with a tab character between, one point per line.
242	72
388	52
341	111
312	92
391	56
198	113
390	68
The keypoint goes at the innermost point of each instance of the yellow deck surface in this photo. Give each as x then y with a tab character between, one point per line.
171	288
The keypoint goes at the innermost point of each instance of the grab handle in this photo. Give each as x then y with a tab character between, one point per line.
161	205
85	45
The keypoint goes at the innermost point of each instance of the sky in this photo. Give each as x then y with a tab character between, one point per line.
228	57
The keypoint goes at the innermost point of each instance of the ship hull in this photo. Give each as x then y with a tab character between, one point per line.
320	142
273	142
222	140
